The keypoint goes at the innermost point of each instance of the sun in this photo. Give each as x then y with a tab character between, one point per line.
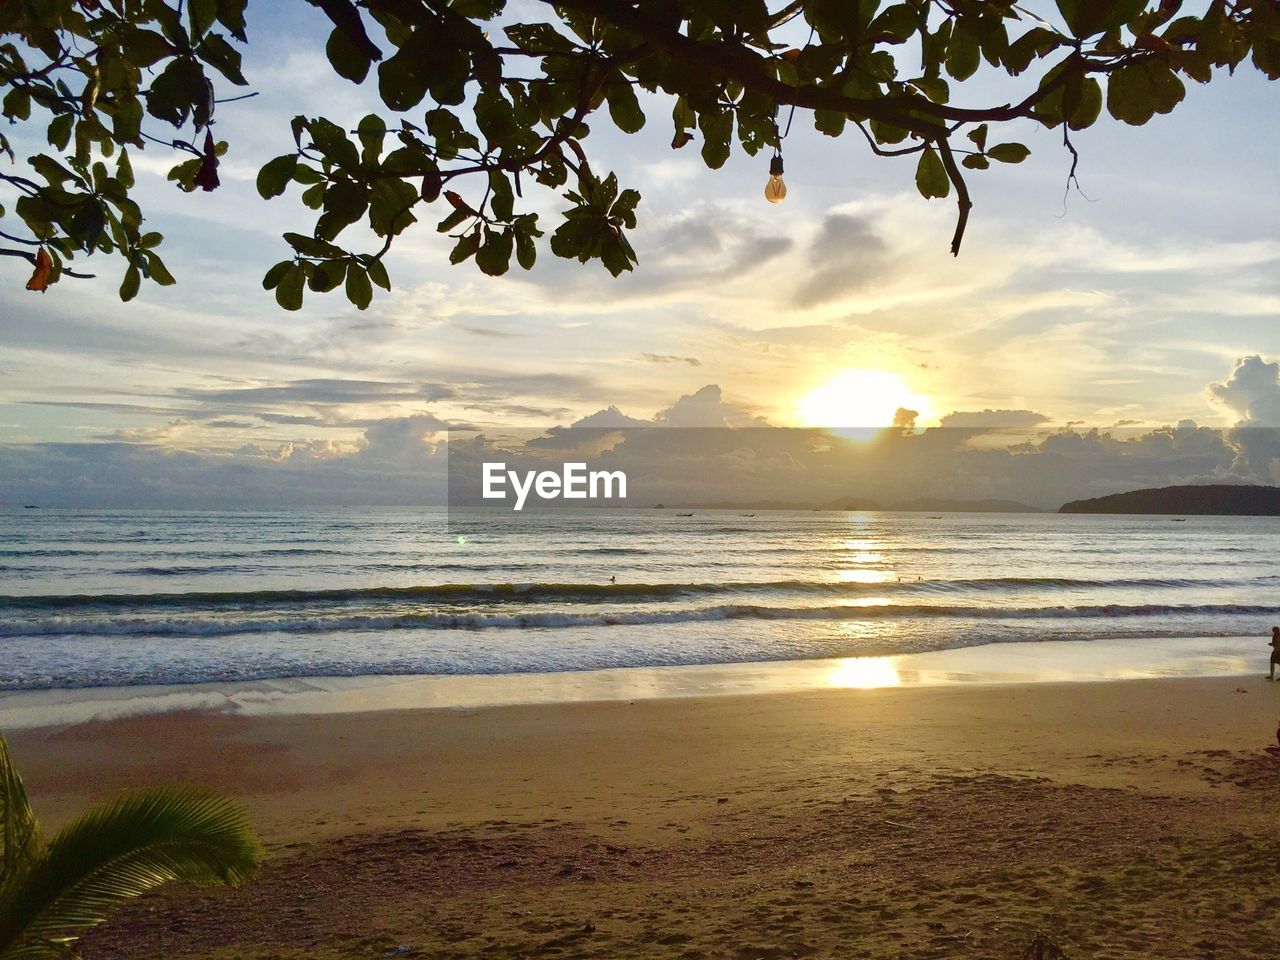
860	398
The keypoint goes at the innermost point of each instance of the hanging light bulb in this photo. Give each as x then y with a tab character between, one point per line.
775	191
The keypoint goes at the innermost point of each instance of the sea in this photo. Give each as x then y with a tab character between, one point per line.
117	598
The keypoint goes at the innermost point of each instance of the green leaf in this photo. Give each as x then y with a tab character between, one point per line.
17	104
501	199
223	57
372	132
1009	152
289	289
931	175
829	122
174	93
19	831
495	117
717	130
158	271
978	136
1136	92
124	170
132	282
122	849
276	274
378	274
1088	105
624	108
326	275
526	251
465	248
1086	18
455	219
275	176
975	161
359	289
60	130
349	60
963	54
494	255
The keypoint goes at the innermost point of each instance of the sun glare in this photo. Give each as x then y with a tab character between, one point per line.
865	673
860	398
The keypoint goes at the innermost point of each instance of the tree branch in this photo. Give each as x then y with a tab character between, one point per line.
751	69
962	193
31	259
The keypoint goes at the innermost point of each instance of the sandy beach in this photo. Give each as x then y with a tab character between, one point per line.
1126	818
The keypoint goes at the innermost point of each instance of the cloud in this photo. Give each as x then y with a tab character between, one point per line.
321	392
611	418
670	358
706	408
992	419
847	255
702	448
1251	392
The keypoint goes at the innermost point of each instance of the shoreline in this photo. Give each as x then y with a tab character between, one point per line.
1045	662
1128	819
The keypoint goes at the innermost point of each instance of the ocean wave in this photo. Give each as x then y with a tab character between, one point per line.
183	570
580	592
198	626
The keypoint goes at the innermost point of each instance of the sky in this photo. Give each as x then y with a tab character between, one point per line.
1149	301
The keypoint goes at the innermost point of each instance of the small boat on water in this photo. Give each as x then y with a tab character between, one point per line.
746	514
684	514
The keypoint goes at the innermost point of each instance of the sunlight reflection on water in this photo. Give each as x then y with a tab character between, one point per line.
865	673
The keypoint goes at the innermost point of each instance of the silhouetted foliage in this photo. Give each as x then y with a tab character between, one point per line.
478	101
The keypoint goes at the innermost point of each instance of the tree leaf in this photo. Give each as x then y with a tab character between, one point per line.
289	289
494	255
359	289
274	177
931	175
350	61
963	54
131	284
1009	152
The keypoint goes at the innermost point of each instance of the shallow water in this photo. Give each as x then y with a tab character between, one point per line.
96	598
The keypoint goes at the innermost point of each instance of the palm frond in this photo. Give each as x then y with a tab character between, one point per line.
19	831
120	850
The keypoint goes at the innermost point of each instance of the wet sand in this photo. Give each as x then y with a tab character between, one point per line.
1126	818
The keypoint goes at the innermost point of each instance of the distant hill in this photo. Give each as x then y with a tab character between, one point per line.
1208	500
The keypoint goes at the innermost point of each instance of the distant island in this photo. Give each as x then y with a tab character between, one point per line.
1195	500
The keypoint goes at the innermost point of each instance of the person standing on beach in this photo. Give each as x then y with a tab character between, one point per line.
1275	651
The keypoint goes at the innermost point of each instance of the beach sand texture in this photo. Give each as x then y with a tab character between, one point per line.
1128	819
